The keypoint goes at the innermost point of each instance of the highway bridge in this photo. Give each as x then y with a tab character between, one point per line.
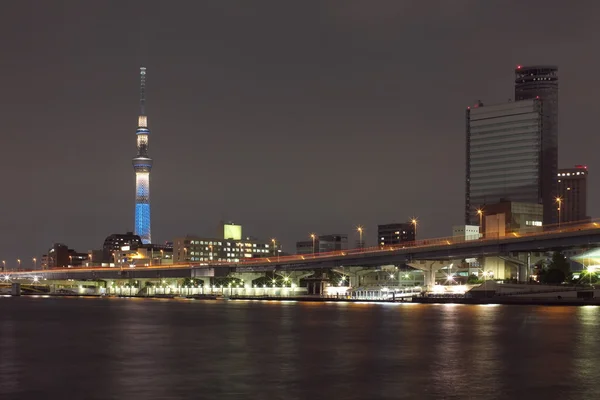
586	235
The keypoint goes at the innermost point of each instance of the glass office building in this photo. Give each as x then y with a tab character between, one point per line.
504	155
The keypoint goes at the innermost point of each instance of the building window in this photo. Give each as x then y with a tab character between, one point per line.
533	223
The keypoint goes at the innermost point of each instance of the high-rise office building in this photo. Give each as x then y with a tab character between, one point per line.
541	83
142	164
572	192
396	233
504	155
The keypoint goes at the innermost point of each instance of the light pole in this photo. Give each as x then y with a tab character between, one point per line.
480	213
414	222
274	241
90	257
34	263
19	262
162	255
360	236
71	261
313	237
4	265
559	201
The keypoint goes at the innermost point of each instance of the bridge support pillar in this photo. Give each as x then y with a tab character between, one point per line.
247	277
494	267
15	289
355	274
430	269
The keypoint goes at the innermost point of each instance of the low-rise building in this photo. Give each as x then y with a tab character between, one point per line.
396	233
507	217
119	243
466	232
323	244
192	248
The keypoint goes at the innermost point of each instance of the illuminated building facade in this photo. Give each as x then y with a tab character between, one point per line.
142	165
196	249
572	190
119	241
504	155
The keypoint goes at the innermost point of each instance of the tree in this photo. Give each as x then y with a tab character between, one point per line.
560	262
473	279
553	276
557	271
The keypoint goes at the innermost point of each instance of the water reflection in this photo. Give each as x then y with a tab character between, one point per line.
586	343
119	348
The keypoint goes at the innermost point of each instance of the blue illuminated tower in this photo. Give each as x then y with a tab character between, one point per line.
142	164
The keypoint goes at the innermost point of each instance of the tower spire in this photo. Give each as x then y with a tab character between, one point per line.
142	165
142	90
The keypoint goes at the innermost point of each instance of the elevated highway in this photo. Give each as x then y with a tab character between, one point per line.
440	249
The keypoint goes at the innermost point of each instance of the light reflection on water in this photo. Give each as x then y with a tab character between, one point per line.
120	348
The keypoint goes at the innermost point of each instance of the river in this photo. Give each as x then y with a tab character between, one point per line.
91	348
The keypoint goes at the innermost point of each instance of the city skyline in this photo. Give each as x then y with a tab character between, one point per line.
296	141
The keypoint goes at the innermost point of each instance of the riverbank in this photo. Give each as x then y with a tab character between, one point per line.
318	299
524	301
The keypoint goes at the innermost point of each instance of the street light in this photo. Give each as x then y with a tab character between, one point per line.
19	262
4	265
559	201
313	237
414	222
480	213
360	234
34	263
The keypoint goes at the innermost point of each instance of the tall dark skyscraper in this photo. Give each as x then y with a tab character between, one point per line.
142	164
541	82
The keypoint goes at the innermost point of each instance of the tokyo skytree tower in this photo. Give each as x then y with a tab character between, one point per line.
142	164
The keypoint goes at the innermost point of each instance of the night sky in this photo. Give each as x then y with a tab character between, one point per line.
286	117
